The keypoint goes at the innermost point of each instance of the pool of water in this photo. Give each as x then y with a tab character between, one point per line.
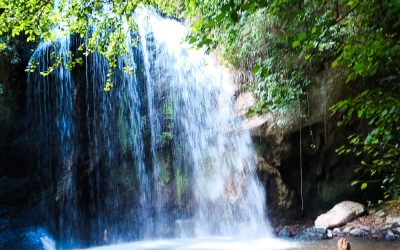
254	244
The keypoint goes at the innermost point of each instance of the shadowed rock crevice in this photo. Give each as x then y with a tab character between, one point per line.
289	145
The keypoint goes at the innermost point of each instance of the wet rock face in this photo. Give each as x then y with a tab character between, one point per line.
244	101
284	233
340	214
325	178
19	206
279	139
314	234
390	235
279	194
280	198
360	232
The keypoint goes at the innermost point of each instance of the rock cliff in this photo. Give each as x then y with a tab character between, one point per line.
298	163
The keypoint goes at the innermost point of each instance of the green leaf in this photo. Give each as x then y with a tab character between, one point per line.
296	44
220	17
302	36
364	186
314	29
256	69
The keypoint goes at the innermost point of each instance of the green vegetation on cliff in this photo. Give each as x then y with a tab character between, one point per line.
285	42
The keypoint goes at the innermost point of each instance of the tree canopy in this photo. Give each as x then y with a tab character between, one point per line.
102	23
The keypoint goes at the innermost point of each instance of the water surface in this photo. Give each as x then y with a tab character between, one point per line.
220	243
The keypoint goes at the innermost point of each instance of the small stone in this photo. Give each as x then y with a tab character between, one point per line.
387	226
312	234
378	235
390	235
366	229
347	229
358	232
329	234
396	230
336	232
284	233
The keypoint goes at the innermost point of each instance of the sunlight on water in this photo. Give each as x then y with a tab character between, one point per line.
255	244
220	243
48	243
219	166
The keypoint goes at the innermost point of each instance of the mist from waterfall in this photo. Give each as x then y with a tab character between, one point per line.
206	147
160	155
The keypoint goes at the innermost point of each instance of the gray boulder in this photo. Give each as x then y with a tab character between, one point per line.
336	232
391	236
284	233
359	232
340	214
313	234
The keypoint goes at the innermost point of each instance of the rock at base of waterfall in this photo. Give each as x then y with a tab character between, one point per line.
396	230
360	232
340	214
314	234
391	236
329	234
336	232
284	233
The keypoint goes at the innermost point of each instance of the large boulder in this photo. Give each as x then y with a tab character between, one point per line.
340	214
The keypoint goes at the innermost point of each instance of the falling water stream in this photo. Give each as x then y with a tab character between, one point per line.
207	154
159	156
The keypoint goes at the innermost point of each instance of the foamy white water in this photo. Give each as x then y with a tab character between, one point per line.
220	166
205	244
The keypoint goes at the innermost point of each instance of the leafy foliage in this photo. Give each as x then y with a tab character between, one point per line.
377	113
284	42
102	23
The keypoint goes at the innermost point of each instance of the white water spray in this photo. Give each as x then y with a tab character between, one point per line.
158	156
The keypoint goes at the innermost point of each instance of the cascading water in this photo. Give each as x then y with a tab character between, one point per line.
51	107
191	110
160	155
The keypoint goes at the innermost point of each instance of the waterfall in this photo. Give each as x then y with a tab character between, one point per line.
50	103
160	155
191	109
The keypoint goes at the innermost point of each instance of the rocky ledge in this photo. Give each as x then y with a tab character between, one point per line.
382	224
